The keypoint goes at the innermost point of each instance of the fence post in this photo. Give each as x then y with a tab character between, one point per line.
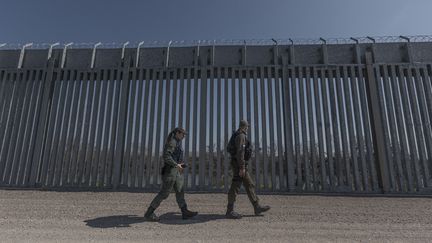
120	138
377	123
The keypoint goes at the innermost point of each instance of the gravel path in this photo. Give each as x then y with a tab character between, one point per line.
44	216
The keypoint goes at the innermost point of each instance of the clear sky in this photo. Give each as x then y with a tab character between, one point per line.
45	21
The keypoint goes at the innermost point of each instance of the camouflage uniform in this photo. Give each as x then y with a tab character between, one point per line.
238	163
172	178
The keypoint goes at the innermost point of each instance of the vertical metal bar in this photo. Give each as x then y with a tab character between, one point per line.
70	115
113	149
174	96
366	126
54	160
129	139
234	102
287	127
385	130
264	113
76	141
426	71
168	103
256	127
377	123
151	129
195	126
90	150
98	164
157	83
145	131
105	146
240	89
359	141
12	176
203	124
82	164
327	122
158	152
322	163
270	82
351	129
158	117
138	129
279	110
219	112
406	166
343	127
303	78
52	94
188	128
124	93
418	128
227	131
335	122
393	131
181	80
211	131
313	148
295	99
249	108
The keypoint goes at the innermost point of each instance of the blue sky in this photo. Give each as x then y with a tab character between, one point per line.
45	21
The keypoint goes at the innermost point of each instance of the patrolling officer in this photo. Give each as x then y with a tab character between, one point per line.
172	176
240	150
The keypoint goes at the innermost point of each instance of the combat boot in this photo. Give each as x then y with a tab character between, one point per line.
186	214
150	215
260	209
230	214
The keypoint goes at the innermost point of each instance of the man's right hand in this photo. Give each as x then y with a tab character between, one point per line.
180	167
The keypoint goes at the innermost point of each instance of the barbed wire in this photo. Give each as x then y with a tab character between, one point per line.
224	42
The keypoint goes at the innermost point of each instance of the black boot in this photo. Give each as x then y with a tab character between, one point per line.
230	214
260	209
150	215
186	213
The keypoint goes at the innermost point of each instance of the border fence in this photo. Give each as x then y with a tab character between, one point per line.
329	116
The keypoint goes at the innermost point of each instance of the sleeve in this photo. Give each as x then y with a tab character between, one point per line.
240	142
168	153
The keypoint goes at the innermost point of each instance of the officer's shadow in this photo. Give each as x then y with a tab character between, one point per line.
114	221
117	221
176	218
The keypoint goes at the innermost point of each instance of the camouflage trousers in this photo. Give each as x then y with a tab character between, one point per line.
172	180
237	182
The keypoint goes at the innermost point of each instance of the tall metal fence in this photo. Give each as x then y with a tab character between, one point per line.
324	117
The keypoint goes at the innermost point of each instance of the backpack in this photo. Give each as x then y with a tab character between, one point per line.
231	148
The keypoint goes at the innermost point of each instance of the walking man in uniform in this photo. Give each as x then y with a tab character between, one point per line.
240	149
172	176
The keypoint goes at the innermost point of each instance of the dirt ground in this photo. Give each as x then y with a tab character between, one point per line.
47	216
